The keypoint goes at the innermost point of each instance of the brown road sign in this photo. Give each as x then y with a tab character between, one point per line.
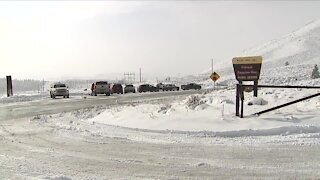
247	68
214	76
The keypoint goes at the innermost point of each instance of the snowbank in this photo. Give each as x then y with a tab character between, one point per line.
207	115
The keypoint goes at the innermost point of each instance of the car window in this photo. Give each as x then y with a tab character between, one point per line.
101	83
59	85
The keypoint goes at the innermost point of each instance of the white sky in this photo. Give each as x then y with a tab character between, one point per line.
55	40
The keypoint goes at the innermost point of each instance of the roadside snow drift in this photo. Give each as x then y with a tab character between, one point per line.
208	114
215	112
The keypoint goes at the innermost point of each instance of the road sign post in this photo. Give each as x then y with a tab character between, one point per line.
214	77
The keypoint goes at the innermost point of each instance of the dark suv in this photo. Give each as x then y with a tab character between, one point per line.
191	86
129	88
160	86
147	88
170	87
117	88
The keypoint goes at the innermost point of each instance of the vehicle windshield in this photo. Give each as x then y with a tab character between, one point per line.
102	83
59	85
129	85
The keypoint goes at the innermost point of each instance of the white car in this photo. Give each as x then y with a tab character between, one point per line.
59	89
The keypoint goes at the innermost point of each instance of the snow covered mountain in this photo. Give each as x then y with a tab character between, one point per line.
287	60
300	47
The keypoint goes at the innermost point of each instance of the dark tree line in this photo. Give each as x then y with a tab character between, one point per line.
20	85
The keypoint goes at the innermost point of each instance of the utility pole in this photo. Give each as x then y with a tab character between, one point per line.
212	65
42	85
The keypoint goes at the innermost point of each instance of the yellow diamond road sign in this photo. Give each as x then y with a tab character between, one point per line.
214	76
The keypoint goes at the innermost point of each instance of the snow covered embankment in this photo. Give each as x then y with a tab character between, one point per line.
206	115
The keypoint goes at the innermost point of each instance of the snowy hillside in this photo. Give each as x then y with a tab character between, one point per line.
300	49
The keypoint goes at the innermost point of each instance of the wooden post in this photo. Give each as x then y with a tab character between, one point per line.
237	99
255	89
9	86
242	99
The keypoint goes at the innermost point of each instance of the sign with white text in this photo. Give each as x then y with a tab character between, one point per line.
247	68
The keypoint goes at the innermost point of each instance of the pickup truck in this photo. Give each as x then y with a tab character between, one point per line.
101	87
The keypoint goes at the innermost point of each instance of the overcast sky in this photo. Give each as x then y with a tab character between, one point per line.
55	40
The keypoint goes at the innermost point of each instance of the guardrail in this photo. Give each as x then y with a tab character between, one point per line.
240	96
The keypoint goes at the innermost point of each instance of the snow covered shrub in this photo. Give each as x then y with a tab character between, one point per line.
193	101
257	101
164	109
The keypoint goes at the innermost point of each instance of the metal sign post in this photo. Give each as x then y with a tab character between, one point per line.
214	77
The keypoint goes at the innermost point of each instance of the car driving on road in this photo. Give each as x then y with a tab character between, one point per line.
170	87
160	86
117	88
59	89
191	86
101	87
147	88
129	88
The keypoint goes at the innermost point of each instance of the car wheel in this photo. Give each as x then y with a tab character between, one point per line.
68	96
53	96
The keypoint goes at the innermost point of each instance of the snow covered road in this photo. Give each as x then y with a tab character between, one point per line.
52	106
28	151
159	136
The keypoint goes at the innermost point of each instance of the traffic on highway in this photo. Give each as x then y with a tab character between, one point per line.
104	87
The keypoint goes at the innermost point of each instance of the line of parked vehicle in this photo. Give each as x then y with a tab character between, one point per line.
103	87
